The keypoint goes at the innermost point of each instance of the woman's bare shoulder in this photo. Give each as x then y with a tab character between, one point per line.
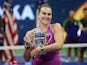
56	25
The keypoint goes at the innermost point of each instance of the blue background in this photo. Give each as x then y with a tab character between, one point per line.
60	12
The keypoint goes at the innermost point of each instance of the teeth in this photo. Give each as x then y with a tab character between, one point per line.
45	20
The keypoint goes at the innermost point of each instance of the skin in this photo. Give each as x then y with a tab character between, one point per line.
45	20
71	14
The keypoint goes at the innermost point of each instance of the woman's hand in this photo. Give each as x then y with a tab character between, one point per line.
35	52
28	39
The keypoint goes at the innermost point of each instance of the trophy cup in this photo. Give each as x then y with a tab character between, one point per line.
39	38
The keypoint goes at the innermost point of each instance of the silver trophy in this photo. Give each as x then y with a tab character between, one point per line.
39	38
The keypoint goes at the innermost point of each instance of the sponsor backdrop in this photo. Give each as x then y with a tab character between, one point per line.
25	12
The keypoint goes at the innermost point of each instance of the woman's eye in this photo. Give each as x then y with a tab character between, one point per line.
49	13
44	13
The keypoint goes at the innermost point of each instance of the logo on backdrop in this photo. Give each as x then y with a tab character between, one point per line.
26	13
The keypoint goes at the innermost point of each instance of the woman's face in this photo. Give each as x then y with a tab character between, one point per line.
45	15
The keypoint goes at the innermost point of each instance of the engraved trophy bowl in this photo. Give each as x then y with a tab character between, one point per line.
39	38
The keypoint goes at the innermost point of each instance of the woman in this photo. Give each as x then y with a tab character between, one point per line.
54	33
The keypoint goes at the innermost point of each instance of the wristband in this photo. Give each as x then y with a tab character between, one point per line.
42	52
42	49
27	47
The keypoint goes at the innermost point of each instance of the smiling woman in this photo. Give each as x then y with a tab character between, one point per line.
54	40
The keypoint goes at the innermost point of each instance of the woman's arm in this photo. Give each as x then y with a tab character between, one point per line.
28	45
26	55
59	39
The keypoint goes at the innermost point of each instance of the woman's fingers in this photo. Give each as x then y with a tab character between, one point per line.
28	38
35	52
